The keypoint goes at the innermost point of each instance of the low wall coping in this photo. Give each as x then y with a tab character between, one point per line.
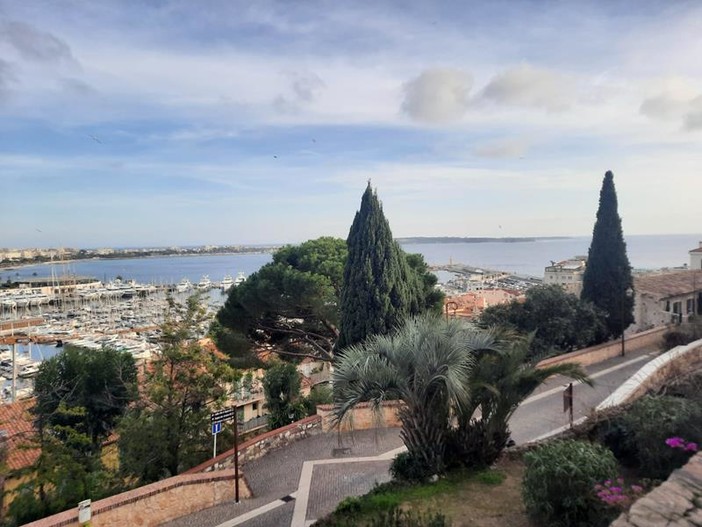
70	517
390	403
628	390
567	357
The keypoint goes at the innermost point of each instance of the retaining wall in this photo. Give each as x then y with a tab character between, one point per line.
154	504
677	502
362	417
262	444
654	374
609	350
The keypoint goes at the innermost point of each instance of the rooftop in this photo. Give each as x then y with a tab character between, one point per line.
669	284
16	423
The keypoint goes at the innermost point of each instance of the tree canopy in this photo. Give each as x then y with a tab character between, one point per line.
381	286
101	382
607	279
559	321
293	302
168	430
281	386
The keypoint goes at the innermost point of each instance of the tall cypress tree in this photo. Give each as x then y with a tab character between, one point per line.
378	289
607	278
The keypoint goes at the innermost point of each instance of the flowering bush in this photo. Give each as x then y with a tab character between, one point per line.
679	442
617	494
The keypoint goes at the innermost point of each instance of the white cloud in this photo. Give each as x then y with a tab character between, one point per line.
305	88
677	101
7	77
34	44
437	95
693	117
510	148
531	87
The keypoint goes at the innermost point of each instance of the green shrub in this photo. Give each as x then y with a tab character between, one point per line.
646	426
683	334
350	505
406	467
559	481
397	517
392	517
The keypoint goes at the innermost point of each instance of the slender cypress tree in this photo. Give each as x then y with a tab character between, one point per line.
607	281
377	292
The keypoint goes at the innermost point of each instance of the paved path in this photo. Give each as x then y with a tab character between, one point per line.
304	481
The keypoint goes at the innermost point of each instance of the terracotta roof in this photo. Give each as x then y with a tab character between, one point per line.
16	422
669	284
697	250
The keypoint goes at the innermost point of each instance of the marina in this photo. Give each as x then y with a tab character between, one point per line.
41	315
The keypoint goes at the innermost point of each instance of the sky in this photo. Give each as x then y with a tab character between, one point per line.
173	122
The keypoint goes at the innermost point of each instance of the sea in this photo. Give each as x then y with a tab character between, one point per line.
524	258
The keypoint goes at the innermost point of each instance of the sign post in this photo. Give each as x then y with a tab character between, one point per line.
216	429
568	402
236	459
216	418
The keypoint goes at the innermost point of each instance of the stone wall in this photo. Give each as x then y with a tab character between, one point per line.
154	504
262	444
609	350
362	417
677	502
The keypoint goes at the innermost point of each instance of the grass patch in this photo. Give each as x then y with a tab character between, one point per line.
465	497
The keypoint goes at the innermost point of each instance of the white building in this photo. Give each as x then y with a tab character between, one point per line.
696	258
568	274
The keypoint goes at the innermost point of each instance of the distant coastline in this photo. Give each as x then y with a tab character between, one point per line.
458	239
126	254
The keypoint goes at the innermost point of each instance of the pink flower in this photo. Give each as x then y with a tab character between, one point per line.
675	442
691	447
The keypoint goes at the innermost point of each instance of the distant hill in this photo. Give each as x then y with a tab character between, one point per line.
458	239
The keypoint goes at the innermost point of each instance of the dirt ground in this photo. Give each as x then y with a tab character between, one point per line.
474	503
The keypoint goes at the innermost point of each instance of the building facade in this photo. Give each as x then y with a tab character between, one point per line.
568	274
696	258
665	298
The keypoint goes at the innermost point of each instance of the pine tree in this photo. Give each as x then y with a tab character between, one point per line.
379	289
607	281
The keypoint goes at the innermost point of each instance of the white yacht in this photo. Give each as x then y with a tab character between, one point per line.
30	370
240	279
184	285
204	283
226	283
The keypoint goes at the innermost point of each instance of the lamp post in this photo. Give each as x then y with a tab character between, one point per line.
627	295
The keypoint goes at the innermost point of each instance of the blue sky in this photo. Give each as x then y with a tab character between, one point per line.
179	122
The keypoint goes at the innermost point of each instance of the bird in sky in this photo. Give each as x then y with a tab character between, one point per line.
95	139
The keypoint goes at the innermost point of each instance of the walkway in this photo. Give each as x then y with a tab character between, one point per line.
304	481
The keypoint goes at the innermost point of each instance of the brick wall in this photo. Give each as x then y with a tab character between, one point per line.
609	350
151	505
362	417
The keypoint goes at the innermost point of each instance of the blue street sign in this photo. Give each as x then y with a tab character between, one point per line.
216	428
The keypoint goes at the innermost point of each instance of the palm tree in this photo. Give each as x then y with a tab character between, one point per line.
427	365
501	379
